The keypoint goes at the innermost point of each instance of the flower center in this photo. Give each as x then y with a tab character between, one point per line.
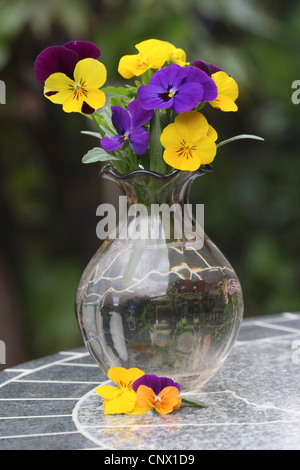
167	95
157	400
125	386
186	150
78	90
142	63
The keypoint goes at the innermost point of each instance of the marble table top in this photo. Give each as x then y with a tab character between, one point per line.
253	401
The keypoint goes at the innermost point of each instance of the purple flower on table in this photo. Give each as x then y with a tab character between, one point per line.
128	123
206	67
157	384
63	59
178	88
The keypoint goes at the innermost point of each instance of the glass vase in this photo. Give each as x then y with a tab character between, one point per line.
154	296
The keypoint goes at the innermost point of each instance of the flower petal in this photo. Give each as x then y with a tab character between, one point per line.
210	90
55	59
192	126
123	403
156	52
120	119
145	397
226	85
138	140
179	161
149	380
108	391
94	98
154	97
109	144
137	410
84	49
206	152
172	135
206	67
129	66
227	92
58	87
90	73
169	77
166	382
138	114
170	400
224	103
187	97
122	376
73	104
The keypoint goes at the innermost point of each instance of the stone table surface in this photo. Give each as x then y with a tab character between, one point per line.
253	401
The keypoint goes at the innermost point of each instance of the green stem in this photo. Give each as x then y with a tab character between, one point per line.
157	163
97	125
238	137
192	402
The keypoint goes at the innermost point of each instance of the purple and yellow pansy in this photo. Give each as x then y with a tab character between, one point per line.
160	112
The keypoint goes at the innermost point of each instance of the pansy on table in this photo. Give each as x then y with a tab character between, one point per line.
155	122
137	393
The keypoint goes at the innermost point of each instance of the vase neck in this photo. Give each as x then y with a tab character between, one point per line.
145	187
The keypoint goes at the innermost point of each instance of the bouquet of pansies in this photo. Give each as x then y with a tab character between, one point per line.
155	122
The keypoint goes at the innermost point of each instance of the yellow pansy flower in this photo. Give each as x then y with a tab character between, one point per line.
121	399
153	53
178	56
227	92
81	95
189	142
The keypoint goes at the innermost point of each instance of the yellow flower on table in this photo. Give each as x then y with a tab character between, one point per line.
81	95
189	142
228	92
121	399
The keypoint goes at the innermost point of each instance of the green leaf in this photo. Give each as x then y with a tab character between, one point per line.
238	137
157	162
93	134
193	402
126	91
112	90
98	154
116	101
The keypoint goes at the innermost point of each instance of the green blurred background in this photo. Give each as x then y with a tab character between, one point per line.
49	198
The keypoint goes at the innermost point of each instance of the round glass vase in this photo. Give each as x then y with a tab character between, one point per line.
157	295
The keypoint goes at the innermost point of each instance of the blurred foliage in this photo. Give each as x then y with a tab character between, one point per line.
49	199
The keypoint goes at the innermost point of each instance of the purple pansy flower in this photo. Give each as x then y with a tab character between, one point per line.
156	383
206	67
178	88
129	127
63	58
